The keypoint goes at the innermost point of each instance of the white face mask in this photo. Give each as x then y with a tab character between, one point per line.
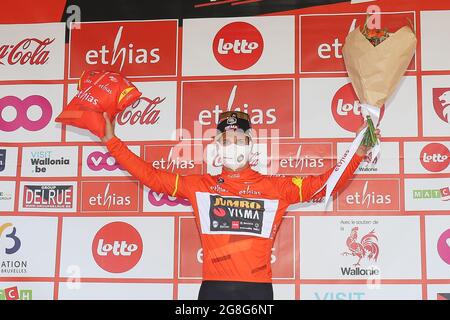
234	156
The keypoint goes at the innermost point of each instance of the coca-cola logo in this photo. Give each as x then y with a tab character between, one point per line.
22	106
238	46
149	116
441	103
346	109
98	160
435	157
30	51
160	199
117	247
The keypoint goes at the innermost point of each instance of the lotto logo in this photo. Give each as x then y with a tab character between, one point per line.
238	46
346	109
21	107
117	247
435	157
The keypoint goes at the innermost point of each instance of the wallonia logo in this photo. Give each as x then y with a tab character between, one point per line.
346	110
238	46
117	247
441	103
435	157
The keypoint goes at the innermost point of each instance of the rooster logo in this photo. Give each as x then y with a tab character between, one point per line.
441	103
367	247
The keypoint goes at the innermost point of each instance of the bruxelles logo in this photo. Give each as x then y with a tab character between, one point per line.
435	157
22	106
117	247
346	109
238	46
441	103
236	214
443	246
15	246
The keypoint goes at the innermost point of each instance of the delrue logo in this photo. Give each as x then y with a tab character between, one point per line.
97	161
443	246
442	194
441	103
435	157
29	51
110	196
365	248
302	158
339	295
255	97
40	160
22	119
117	247
10	244
346	109
379	195
13	293
133	48
48	196
238	46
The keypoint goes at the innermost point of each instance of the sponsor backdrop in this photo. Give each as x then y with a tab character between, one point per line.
75	225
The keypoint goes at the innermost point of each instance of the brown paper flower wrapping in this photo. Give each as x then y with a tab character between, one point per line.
376	71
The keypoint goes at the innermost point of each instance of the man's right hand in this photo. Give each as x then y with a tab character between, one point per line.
109	128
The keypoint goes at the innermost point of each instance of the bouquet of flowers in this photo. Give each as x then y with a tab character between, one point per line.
376	59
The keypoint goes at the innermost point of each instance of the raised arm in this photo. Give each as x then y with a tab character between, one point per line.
157	180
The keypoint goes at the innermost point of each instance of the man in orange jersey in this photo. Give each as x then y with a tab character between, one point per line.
237	212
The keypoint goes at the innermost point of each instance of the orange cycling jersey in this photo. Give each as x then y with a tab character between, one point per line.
237	213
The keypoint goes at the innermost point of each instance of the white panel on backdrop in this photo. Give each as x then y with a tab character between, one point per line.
7	195
27	246
189	291
436	106
437	232
28	112
324	99
152	118
49	161
142	254
330	247
427	157
8	161
32	51
427	194
115	291
48	196
373	290
97	161
435	290
387	161
26	290
250	45
311	206
434	39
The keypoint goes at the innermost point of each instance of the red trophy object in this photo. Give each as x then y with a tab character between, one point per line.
98	92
